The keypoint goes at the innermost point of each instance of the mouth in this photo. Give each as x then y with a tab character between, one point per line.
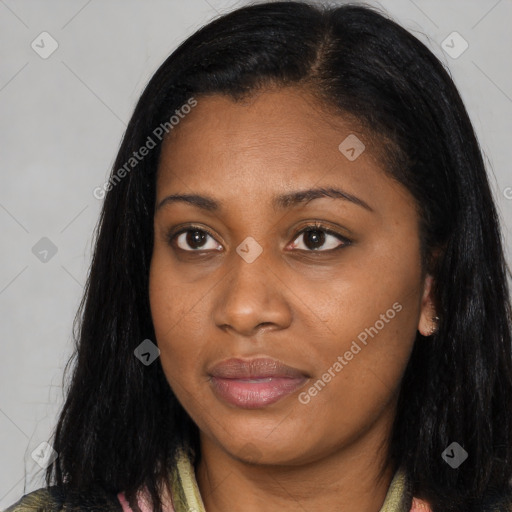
256	383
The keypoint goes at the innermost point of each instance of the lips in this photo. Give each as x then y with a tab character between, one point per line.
255	383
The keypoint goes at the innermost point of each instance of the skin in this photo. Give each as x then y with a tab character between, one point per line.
301	305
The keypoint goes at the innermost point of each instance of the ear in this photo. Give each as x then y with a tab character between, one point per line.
427	323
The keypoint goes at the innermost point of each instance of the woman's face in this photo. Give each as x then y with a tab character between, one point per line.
339	305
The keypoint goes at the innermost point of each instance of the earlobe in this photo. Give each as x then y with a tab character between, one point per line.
428	321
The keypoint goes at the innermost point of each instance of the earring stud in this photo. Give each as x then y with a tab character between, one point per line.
433	329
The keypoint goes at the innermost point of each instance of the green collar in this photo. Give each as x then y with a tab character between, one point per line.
186	495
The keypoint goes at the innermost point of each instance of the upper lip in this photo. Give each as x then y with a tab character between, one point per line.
237	368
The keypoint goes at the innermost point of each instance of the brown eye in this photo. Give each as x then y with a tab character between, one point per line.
318	238
193	239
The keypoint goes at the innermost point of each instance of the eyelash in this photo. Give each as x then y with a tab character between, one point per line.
315	226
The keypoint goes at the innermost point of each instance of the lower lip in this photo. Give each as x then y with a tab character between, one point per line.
255	393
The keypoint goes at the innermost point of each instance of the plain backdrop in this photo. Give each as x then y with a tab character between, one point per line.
62	117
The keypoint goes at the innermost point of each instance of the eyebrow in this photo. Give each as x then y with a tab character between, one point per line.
280	202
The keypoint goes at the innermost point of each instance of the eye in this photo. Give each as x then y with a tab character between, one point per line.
316	236
192	237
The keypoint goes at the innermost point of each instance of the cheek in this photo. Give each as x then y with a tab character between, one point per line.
358	296
367	348
358	369
370	317
177	313
179	319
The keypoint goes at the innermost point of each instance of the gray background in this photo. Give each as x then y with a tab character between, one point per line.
61	122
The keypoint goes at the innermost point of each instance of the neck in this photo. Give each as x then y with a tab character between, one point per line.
353	478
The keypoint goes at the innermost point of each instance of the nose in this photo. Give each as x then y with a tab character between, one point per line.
251	297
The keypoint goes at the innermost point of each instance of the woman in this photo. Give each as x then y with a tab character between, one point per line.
298	297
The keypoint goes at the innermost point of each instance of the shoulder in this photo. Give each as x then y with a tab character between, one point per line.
60	498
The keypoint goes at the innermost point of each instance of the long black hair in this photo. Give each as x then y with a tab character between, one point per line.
121	424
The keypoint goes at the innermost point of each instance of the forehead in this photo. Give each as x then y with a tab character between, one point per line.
283	119
272	142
